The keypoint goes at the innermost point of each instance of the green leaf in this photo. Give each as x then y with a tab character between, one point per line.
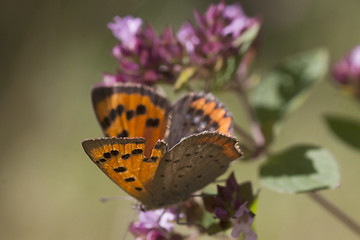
345	128
301	168
247	38
254	204
228	71
286	87
184	77
247	193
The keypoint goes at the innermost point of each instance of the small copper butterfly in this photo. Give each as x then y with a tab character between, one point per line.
157	152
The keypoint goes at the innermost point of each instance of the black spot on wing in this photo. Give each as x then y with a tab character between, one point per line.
129	114
120	169
114	152
137	151
120	109
154	158
125	156
112	115
124	133
105	123
140	109
152	122
130	179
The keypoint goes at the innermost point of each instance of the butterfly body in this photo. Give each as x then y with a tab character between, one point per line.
160	172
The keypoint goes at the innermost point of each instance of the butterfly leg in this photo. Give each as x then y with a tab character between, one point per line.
136	210
142	207
178	212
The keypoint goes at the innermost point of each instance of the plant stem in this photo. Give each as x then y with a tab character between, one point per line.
239	130
256	131
336	212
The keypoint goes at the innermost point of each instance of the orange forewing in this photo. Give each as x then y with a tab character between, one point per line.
132	120
124	162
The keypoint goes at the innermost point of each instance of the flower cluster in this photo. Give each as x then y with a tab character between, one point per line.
347	72
145	57
230	207
216	34
155	225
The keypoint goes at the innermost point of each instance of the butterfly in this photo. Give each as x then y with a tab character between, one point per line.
157	152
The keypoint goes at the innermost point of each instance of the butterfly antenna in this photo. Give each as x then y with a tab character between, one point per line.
219	181
136	211
107	199
202	195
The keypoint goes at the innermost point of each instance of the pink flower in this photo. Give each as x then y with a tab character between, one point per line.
125	29
242	220
216	33
187	37
346	72
143	56
155	225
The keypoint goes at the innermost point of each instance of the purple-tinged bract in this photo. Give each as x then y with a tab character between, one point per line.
229	206
346	72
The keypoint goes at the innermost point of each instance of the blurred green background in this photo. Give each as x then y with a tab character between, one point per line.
53	51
